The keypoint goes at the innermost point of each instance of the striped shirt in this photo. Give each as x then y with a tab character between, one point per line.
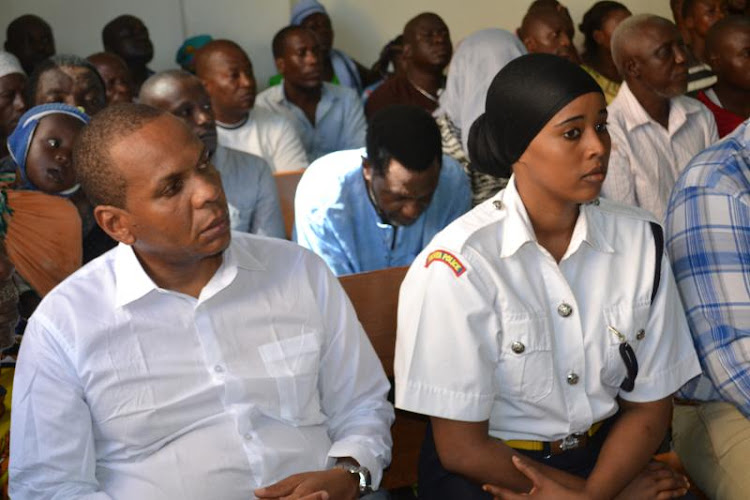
646	158
708	239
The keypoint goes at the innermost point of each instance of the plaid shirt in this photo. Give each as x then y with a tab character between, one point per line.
708	239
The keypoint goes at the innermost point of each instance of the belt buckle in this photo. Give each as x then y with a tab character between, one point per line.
570	442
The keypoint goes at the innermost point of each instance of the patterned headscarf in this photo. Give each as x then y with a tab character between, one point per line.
185	56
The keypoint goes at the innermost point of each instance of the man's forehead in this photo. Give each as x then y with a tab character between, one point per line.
651	35
158	142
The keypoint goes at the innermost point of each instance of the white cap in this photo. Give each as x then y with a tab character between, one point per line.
9	64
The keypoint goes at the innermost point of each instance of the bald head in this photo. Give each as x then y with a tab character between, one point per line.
650	55
215	50
182	94
164	85
227	75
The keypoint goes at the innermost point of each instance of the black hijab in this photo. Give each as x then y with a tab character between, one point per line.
522	98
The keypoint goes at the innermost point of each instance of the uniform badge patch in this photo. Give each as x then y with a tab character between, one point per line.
448	259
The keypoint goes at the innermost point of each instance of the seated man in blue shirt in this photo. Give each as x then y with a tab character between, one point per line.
327	117
248	183
361	213
707	226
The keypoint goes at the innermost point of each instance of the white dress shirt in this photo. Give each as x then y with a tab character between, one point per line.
266	134
125	390
491	327
646	158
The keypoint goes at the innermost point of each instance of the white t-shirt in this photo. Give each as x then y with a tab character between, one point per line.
270	135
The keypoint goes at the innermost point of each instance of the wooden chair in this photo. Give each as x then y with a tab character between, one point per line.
375	298
286	184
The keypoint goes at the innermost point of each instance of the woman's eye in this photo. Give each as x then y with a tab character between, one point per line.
573	133
54	143
601	127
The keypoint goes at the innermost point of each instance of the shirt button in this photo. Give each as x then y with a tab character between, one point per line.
517	347
219	369
498	204
572	378
640	334
564	310
248	437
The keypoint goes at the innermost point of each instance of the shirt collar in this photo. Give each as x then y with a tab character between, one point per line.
326	96
518	230
636	116
134	283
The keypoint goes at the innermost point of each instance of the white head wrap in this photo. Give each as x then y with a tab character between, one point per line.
475	63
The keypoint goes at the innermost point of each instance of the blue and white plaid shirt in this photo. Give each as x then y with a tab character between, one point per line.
708	239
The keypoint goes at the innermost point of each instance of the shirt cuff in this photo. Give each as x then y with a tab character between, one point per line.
662	384
360	453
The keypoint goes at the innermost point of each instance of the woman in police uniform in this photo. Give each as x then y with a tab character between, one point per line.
545	322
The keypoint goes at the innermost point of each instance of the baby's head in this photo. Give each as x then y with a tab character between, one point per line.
42	147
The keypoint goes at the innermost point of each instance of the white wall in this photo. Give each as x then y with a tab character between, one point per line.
362	26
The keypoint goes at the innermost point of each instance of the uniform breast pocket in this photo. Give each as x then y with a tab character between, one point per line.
293	363
525	370
630	321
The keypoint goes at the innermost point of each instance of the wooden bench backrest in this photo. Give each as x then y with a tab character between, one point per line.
286	184
375	298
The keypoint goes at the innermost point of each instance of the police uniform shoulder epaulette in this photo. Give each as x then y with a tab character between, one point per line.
460	231
619	209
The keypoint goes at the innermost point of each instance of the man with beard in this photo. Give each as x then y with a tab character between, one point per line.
227	74
30	39
127	37
427	51
248	183
327	117
655	129
363	210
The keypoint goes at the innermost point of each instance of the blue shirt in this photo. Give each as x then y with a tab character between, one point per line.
708	239
334	217
251	192
339	119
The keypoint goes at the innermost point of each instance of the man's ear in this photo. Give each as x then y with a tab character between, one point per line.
115	222
280	65
367	169
530	44
598	37
407	51
631	68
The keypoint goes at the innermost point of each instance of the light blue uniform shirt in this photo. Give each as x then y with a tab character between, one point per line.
251	192
335	218
339	119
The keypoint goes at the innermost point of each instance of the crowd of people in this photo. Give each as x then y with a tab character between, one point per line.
575	221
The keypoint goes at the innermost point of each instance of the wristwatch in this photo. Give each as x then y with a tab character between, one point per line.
365	482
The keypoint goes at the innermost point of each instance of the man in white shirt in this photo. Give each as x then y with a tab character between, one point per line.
655	130
327	117
227	74
188	363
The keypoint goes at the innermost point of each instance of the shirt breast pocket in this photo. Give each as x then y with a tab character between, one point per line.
630	321
526	369
293	363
